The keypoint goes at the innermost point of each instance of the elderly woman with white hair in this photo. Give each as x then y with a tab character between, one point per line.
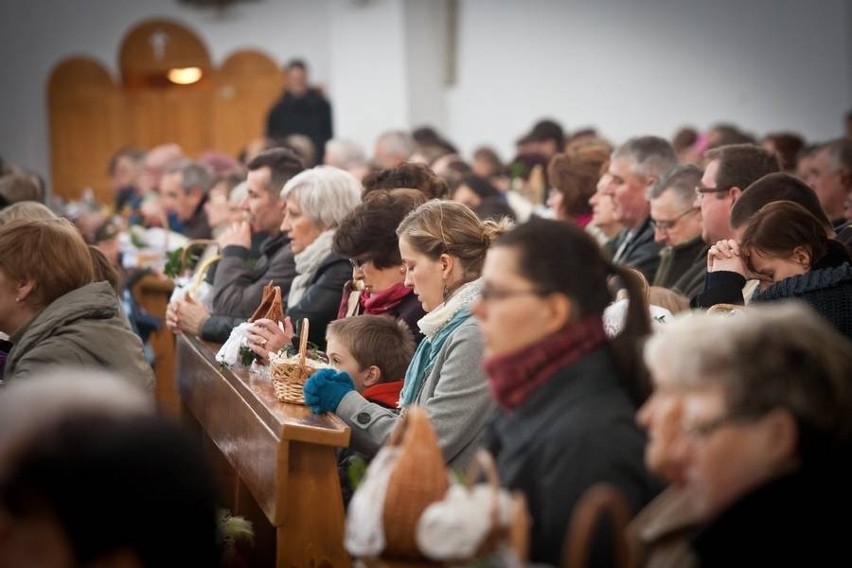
316	201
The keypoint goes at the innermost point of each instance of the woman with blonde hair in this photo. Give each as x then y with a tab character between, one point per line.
443	246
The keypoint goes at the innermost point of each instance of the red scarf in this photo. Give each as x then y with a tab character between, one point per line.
517	375
385	300
386	394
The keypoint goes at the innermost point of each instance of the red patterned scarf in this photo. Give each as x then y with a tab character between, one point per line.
385	300
515	376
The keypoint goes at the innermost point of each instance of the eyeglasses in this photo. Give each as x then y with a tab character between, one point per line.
357	263
666	226
488	294
701	191
703	430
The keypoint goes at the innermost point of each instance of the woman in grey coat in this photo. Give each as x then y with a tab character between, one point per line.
443	245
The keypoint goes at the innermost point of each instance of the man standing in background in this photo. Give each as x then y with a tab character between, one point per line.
301	110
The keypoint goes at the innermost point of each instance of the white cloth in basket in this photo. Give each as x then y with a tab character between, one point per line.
365	533
455	527
229	353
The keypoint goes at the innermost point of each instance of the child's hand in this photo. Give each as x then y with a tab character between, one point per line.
326	388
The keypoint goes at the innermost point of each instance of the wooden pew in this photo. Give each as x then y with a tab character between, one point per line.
152	293
283	454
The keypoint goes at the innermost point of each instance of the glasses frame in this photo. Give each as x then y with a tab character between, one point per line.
703	430
666	226
701	191
358	263
491	294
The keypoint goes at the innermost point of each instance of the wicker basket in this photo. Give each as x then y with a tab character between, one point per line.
289	375
419	479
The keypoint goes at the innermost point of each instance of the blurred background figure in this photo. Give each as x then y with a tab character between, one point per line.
301	110
97	478
347	155
766	432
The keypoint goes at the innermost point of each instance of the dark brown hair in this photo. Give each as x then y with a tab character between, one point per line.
778	228
410	176
776	187
740	165
283	164
576	179
369	230
561	258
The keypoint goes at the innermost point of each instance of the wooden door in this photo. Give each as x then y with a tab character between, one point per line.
85	127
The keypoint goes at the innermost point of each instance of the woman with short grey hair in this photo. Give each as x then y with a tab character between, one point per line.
766	432
316	201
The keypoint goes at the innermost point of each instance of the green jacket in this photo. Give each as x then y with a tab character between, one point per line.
83	328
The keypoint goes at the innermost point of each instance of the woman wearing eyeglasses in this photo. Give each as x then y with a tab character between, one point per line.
442	245
566	394
766	434
368	237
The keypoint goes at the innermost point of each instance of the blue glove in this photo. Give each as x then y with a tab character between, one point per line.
325	389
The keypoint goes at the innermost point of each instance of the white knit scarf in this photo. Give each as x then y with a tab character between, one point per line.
307	263
464	297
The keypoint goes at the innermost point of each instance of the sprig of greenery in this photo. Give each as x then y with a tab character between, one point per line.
172	267
246	356
136	240
356	471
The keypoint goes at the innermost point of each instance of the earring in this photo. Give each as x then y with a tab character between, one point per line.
446	291
18	299
402	270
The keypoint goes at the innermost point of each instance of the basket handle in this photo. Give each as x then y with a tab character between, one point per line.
303	341
396	435
184	255
202	271
483	464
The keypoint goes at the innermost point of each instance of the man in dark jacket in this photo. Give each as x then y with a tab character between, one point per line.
238	283
677	226
301	110
635	166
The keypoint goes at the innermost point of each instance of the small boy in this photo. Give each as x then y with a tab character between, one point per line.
375	351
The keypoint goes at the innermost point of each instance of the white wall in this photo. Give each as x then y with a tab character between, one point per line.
368	91
623	66
650	66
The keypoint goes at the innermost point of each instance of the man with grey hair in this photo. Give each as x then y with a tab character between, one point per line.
393	148
636	166
830	176
677	226
183	192
347	155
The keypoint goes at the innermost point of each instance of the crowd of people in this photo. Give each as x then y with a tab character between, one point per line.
481	291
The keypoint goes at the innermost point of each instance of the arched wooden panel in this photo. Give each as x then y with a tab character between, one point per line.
85	127
247	84
157	110
91	116
150	49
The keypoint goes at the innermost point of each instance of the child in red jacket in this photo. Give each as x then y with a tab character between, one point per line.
375	351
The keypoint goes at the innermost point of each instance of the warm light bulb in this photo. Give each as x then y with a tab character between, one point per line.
184	75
